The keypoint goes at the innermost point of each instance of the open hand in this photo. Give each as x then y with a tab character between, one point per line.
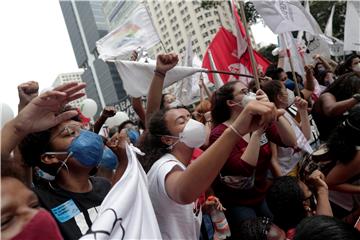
43	111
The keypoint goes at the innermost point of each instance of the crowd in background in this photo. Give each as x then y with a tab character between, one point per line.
245	163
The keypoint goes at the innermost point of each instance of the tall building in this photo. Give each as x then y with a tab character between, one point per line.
70	77
86	24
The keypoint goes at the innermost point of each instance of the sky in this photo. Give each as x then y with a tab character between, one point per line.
35	45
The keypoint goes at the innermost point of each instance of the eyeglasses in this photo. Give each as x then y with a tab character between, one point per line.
243	91
69	131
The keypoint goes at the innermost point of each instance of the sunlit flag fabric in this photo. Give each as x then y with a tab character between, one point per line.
294	53
286	16
127	211
136	31
224	53
187	90
137	76
239	30
352	29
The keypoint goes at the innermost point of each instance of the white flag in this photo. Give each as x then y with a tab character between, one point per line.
136	31
127	211
287	42
188	89
286	16
137	76
329	25
218	82
241	42
352	29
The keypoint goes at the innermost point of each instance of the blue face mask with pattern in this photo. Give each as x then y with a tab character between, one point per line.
87	148
109	159
133	135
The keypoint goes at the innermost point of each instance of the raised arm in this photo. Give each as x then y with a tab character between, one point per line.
305	126
338	177
164	63
323	207
40	114
108	112
185	186
27	92
332	108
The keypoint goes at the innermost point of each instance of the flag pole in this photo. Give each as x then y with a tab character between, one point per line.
251	52
291	65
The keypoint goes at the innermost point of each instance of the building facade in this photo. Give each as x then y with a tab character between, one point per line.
70	77
86	24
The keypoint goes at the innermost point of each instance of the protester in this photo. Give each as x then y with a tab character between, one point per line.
21	215
242	183
288	157
289	200
334	102
39	114
344	178
169	144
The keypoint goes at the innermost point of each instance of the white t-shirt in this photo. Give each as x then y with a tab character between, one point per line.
287	156
176	221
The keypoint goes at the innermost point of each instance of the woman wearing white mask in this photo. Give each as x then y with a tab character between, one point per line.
242	183
288	157
174	184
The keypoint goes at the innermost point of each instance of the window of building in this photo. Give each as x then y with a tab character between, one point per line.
210	23
207	42
208	14
202	26
213	31
199	18
205	34
198	9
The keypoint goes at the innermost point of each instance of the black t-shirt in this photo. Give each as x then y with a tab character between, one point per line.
74	212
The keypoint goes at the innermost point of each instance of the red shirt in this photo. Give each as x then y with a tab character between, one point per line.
235	166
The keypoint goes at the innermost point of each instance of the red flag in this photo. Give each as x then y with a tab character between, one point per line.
224	52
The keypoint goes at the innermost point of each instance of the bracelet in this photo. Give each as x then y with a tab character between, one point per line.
157	72
235	131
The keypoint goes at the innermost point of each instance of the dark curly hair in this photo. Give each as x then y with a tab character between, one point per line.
345	86
36	144
253	229
220	112
346	66
344	139
325	227
152	145
285	200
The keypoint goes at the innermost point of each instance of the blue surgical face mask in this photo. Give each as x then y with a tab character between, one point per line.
109	159
87	148
133	135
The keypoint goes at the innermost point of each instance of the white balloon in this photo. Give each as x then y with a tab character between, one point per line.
88	107
116	120
6	113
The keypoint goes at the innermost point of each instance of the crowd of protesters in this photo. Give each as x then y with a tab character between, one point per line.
245	163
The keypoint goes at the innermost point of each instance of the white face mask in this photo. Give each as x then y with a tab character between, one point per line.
246	99
291	97
356	68
193	135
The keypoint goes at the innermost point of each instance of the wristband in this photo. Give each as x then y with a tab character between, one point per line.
234	130
157	72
